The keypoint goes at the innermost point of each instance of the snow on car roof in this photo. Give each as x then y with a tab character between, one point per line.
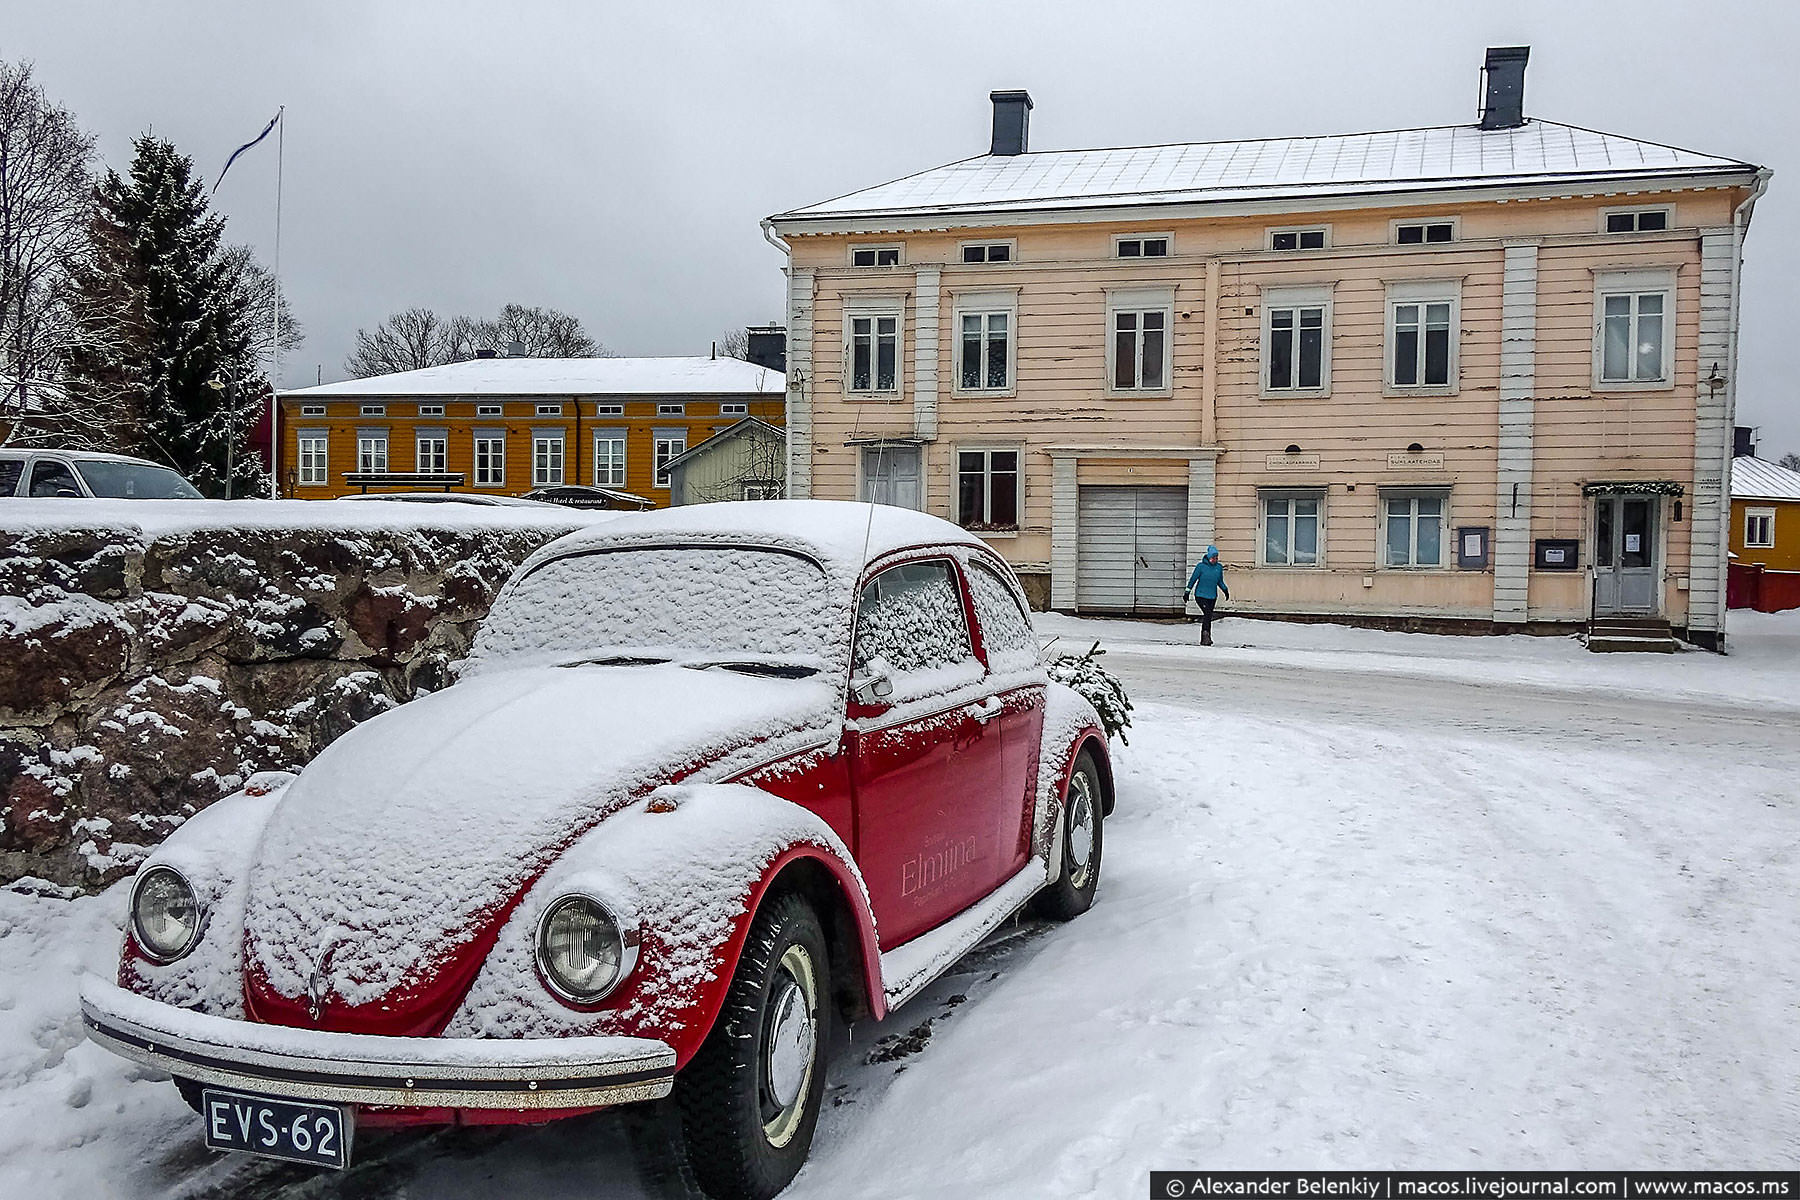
564	377
842	533
1754	479
82	456
1399	160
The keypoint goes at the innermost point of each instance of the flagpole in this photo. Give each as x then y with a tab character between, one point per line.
275	320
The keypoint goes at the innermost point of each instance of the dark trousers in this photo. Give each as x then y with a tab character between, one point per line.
1206	614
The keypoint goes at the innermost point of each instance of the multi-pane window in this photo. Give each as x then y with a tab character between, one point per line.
371	452
546	460
432	453
1759	527
671	410
987	489
983	351
609	410
1291	526
490	460
1297	239
1637	220
1140	349
312	410
1420	233
668	447
1294	347
875	256
1413	531
1422	342
987	252
431	410
374	410
609	459
761	491
312	456
733	410
1142	247
890	475
1633	336
874	352
549	410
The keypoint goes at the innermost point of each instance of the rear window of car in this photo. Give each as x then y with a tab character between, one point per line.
10	470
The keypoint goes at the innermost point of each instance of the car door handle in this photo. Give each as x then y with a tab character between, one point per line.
986	710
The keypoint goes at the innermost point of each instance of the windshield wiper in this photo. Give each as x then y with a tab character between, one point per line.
767	670
615	660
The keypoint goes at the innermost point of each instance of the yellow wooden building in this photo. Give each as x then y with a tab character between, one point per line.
515	426
1473	376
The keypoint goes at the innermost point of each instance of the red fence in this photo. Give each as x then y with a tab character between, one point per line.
1751	586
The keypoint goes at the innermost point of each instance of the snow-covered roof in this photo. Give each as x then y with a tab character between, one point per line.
1400	160
1754	479
842	533
564	377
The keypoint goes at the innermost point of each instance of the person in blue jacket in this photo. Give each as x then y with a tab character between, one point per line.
1204	585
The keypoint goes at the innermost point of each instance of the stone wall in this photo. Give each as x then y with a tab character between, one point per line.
145	672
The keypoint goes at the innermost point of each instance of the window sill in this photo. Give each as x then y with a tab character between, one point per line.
1427	570
877	397
1302	568
983	393
1296	394
1401	391
1009	532
1144	394
1611	387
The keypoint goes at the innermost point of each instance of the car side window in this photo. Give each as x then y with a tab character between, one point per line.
1006	632
10	471
51	479
910	623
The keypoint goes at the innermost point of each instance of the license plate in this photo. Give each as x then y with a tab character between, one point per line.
317	1134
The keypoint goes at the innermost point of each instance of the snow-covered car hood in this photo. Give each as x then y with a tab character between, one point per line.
408	839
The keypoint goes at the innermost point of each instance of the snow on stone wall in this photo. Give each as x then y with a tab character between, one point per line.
145	671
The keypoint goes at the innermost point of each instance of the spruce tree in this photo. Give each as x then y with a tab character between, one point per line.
163	324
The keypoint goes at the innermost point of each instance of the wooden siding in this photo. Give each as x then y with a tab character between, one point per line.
1784	555
702	418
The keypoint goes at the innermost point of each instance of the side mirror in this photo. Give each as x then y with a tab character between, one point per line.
874	688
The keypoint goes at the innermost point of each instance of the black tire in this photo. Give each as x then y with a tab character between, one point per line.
741	1144
1073	892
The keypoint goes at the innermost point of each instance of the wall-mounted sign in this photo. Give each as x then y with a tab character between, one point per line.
1416	462
1472	547
1292	462
1558	554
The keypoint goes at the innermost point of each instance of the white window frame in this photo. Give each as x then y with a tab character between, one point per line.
1399	223
986	245
1269	237
1446	536
1290	494
1120	239
610	436
312	410
609	410
431	410
1296	298
322	440
1751	517
894	309
987	450
734	410
760	491
549	458
985	304
670	444
366	444
549	410
1422	292
1635	284
372	410
495	476
1606	214
1140	300
488	410
671	410
441	442
899	249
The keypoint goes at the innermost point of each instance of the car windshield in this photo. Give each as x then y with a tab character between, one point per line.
135	481
733	605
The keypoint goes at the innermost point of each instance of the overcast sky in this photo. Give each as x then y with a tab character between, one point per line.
613	160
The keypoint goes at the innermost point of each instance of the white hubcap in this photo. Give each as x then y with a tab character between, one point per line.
791	1041
791	1046
1081	828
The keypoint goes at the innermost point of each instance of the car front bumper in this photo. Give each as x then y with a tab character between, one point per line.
350	1068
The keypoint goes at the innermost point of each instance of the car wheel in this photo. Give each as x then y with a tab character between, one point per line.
750	1098
1083	819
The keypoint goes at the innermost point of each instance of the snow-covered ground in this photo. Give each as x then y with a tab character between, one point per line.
1370	900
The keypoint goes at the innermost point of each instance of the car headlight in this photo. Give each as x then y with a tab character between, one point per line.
583	951
165	914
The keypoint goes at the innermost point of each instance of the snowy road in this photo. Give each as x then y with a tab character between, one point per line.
1370	900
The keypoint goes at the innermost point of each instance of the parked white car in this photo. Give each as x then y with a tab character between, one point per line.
75	474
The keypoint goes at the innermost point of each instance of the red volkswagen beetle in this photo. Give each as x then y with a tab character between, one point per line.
710	779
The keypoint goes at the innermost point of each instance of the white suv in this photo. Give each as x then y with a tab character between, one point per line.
49	474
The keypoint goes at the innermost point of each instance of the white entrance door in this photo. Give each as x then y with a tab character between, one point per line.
1625	567
1131	547
890	475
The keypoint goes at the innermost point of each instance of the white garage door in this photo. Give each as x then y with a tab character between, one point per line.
1131	549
